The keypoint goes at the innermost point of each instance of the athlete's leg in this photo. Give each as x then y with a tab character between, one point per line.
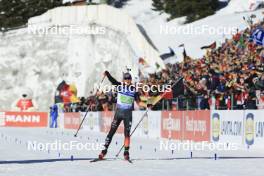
114	126
127	128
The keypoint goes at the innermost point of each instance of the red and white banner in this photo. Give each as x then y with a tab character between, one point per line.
196	125
24	119
72	120
106	121
186	125
240	127
172	124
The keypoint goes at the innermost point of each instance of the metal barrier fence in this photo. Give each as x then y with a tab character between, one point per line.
201	103
183	103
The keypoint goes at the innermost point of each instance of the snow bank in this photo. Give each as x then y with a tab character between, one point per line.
40	61
101	15
238	6
173	33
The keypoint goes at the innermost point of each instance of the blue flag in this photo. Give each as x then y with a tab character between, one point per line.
258	36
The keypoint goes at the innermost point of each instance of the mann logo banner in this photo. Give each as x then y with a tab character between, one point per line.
24	119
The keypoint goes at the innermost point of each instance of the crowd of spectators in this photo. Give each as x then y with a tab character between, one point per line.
227	77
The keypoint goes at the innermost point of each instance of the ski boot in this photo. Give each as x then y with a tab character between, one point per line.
126	154
102	154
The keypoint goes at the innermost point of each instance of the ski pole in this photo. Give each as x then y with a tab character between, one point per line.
75	135
142	118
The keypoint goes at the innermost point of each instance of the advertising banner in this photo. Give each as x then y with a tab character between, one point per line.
196	126
150	126
72	120
172	125
106	121
24	119
60	120
2	119
92	121
254	128
227	126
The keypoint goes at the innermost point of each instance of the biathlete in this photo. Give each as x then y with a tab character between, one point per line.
126	96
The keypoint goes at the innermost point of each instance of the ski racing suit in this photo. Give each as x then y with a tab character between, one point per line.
125	105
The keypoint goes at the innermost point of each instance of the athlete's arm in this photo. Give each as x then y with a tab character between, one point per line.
137	98
112	79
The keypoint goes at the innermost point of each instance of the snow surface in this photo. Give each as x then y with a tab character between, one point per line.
155	23
39	63
16	159
237	6
26	59
42	62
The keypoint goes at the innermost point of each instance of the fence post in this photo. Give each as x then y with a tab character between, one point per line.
177	101
187	105
232	101
168	105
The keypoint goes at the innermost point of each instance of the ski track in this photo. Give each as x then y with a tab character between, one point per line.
145	160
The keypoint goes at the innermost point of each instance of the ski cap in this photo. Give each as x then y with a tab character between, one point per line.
127	76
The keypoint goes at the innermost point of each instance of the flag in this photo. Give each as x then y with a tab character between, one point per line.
258	36
62	86
165	95
157	65
186	58
154	99
212	46
184	54
73	93
182	45
167	55
66	93
178	89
